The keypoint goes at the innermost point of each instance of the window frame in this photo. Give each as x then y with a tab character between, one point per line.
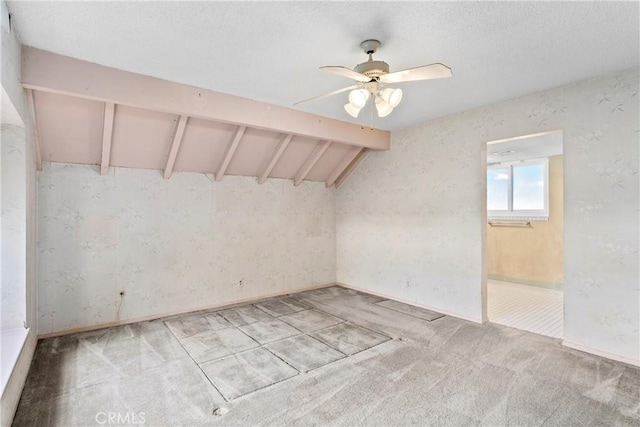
511	214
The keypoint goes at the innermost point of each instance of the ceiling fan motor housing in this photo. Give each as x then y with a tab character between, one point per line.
372	76
372	69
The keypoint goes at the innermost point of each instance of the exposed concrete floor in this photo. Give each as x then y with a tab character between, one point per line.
351	360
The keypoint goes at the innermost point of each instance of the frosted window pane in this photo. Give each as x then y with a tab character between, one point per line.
498	189
528	188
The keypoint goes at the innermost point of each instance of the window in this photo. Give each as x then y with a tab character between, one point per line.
518	190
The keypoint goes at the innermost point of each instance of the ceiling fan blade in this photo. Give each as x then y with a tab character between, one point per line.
347	72
426	72
335	92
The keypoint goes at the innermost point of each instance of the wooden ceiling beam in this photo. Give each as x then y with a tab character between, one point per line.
277	152
50	72
175	146
107	132
352	167
343	165
35	132
230	152
311	161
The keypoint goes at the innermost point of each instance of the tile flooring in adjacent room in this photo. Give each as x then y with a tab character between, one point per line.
330	356
529	308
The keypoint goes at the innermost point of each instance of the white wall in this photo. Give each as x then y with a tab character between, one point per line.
13	201
410	221
10	68
18	263
22	140
173	245
21	155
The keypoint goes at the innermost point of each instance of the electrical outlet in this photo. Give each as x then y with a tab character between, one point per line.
241	283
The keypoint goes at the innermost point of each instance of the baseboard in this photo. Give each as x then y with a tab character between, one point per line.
415	304
601	353
579	347
175	313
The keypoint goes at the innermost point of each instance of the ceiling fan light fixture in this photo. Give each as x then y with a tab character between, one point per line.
351	110
392	96
358	98
383	107
370	78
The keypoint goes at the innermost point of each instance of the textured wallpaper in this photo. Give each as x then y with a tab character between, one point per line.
14	229
410	221
173	245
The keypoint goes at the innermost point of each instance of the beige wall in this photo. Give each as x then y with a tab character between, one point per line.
531	255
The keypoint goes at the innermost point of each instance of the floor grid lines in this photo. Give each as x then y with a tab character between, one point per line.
529	308
220	349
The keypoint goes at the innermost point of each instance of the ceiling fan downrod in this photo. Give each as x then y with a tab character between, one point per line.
372	69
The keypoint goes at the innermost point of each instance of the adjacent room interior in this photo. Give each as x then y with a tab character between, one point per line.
270	213
525	234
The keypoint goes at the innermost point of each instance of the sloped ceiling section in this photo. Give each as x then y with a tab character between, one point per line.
90	114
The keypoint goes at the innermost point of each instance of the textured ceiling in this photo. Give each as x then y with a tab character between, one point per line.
271	51
526	147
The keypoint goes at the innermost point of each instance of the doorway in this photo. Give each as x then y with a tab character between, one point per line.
524	238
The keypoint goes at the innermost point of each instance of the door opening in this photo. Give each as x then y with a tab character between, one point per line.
524	233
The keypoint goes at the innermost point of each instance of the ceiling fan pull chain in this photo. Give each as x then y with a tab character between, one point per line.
371	126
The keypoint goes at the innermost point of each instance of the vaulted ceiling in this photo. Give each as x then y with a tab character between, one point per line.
91	114
72	131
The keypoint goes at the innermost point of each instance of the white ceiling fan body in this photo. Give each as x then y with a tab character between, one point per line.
372	76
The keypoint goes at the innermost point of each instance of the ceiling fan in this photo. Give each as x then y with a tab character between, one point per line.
371	78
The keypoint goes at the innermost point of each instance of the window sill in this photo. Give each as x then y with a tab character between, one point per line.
12	340
517	218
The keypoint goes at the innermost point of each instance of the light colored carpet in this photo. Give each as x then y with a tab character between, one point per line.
445	372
